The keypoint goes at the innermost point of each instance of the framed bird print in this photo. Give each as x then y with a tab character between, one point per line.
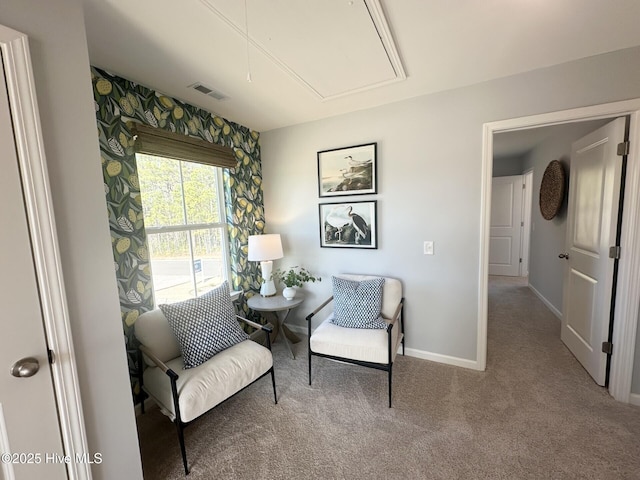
347	171
349	225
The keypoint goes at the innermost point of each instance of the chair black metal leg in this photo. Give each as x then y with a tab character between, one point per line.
390	376
182	448
141	380
309	355
273	380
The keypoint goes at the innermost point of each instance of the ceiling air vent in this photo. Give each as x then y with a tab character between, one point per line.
209	91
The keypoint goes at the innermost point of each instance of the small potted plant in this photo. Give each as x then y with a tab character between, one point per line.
292	278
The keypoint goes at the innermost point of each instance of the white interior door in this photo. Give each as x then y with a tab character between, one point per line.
506	226
594	194
29	427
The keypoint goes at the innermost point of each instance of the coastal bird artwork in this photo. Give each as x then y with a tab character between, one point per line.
347	171
359	224
339	217
348	224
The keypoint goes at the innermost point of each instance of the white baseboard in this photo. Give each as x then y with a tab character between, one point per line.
414	352
548	304
440	358
634	399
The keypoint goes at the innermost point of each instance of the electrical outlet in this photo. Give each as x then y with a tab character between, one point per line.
428	247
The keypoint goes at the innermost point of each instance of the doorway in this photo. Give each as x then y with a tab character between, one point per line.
625	322
565	282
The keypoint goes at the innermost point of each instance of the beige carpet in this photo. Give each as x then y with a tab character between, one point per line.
534	414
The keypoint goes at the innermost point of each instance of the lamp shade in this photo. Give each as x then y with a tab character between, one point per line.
265	247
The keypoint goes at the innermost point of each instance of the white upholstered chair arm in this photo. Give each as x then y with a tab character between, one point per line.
266	328
151	356
396	315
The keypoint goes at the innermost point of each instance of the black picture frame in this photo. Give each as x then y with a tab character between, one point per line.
348	171
349	224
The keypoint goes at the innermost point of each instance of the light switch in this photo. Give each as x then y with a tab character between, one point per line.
428	247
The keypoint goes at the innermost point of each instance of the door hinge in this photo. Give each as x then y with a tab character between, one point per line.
623	148
52	357
524	185
614	252
520	260
607	347
522	224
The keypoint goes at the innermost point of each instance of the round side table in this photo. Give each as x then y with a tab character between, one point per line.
279	307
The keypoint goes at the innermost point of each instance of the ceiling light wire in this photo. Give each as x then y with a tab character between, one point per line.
246	27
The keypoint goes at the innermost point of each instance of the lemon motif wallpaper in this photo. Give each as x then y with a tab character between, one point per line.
119	101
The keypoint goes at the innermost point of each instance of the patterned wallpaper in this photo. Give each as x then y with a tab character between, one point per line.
118	101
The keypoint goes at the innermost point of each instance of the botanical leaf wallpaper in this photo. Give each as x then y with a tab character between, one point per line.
119	101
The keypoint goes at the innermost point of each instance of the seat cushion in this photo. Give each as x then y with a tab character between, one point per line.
358	304
366	345
205	386
204	325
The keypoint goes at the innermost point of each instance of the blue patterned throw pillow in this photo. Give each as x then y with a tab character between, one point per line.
358	304
204	325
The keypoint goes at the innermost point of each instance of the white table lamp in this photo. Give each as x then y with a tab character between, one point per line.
264	249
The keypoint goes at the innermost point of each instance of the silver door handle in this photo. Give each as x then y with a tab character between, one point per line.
25	367
564	255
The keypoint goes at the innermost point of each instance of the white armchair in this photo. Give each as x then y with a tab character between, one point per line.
369	347
186	394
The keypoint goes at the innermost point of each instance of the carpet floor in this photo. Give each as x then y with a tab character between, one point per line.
533	414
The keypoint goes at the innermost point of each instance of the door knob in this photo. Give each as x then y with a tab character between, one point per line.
25	367
564	255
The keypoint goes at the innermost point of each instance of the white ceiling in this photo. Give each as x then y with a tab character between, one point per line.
311	59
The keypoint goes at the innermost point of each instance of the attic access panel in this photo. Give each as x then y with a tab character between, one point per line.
333	47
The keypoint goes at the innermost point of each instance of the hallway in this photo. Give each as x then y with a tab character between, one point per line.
549	389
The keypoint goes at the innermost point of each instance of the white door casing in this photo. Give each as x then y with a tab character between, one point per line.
506	226
592	224
35	201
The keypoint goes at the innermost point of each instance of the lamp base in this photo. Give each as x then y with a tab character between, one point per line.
268	288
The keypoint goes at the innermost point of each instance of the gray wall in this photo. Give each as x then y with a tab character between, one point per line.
61	71
548	236
429	176
507	166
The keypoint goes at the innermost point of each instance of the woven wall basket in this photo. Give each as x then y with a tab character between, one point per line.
552	190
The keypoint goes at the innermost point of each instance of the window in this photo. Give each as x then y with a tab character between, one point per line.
183	208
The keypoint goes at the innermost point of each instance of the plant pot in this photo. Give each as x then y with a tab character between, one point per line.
289	293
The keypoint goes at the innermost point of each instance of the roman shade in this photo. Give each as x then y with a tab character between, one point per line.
163	143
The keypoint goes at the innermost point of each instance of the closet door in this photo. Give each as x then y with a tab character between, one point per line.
506	226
